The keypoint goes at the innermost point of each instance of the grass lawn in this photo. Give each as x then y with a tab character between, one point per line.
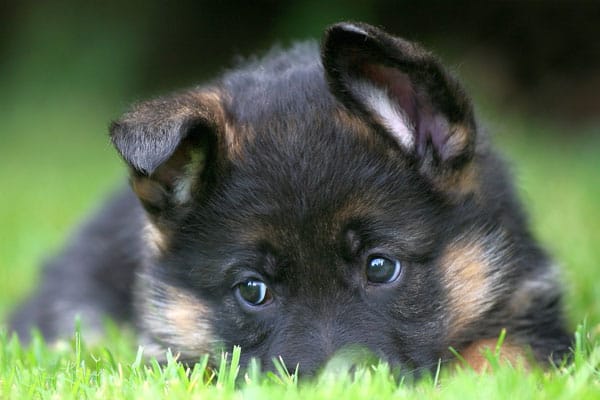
56	164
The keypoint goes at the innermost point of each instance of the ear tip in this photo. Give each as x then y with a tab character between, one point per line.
345	31
114	129
357	28
122	137
340	37
117	132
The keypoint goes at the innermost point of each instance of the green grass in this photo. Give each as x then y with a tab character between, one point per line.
71	370
56	164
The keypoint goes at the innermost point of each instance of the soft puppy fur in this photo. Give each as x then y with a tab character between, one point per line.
311	201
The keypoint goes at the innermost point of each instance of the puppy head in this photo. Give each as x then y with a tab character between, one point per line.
304	204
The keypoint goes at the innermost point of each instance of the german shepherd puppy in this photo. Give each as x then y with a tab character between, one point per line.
307	202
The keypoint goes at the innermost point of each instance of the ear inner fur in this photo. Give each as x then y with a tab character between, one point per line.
404	89
167	142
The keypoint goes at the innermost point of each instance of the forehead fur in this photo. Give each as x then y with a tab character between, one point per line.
294	127
285	96
283	85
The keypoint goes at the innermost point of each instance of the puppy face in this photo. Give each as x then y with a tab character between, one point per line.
304	204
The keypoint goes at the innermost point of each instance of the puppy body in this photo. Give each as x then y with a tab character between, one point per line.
308	202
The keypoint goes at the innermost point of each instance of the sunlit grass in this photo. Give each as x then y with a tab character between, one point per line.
73	370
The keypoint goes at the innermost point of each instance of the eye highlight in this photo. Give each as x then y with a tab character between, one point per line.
382	269
254	292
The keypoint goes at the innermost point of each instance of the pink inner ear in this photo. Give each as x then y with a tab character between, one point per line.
428	125
398	86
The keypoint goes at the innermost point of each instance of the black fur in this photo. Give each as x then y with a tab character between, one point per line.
300	182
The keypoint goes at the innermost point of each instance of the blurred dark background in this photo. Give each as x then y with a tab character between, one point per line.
542	57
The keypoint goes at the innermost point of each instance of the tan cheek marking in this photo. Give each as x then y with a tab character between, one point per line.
155	238
474	354
174	319
463	267
188	318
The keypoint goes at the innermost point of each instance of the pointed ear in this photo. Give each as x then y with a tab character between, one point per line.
171	146
403	89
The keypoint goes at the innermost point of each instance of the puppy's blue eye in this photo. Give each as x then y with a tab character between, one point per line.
254	292
382	269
